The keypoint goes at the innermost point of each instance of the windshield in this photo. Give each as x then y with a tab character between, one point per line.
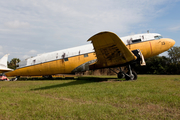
157	37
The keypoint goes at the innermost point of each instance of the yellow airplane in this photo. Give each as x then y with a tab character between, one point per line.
106	51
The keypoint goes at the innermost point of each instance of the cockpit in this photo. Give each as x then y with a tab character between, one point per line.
137	38
158	37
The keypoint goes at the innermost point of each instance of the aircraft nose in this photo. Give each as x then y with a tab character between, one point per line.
169	42
172	42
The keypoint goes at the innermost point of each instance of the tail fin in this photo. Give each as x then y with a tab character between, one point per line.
3	61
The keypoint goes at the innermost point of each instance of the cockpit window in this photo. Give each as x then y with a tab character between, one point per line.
157	37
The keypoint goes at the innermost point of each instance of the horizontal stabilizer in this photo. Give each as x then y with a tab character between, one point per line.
3	64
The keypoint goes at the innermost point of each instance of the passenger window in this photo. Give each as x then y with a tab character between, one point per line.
85	55
34	61
137	40
56	55
65	59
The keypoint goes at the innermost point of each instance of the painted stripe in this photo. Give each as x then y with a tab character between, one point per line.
150	46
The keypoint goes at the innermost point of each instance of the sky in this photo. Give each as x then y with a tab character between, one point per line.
31	27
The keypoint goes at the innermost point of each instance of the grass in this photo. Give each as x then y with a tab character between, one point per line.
92	98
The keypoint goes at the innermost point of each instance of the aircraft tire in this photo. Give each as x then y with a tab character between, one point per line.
134	76
17	77
120	75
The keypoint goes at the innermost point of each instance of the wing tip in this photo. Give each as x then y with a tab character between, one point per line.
103	32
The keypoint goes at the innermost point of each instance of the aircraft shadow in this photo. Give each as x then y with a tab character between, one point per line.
78	81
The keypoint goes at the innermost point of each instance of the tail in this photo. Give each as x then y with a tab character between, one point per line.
3	61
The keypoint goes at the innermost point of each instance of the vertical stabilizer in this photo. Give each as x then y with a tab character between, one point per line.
3	61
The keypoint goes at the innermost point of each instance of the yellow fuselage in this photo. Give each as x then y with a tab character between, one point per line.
148	49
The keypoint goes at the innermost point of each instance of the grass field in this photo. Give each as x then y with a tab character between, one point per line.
149	97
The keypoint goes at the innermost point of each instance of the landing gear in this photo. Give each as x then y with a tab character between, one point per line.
47	77
15	79
131	76
127	73
120	75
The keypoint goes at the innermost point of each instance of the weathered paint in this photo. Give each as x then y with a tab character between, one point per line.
55	62
110	50
56	55
53	67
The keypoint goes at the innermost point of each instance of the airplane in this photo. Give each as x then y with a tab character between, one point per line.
106	51
3	64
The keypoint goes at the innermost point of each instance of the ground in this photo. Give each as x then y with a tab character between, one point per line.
149	97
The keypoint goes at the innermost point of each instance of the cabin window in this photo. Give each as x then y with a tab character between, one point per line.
56	55
137	40
34	61
158	37
85	55
65	59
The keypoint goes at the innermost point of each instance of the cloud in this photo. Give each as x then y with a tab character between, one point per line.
17	24
175	28
72	17
1	50
32	52
58	24
26	56
1	53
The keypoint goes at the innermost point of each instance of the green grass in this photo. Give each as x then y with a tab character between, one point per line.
149	97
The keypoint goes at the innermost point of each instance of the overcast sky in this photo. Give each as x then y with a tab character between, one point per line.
31	27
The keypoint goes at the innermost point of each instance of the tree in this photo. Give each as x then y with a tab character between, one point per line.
154	65
13	63
174	54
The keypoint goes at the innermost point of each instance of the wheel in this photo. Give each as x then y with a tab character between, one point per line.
47	77
133	77
120	75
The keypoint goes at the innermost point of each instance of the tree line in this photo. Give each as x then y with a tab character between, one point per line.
169	64
162	64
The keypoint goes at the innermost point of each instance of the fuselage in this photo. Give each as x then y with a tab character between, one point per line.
79	58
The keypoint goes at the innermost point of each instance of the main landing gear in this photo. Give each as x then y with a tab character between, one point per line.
127	73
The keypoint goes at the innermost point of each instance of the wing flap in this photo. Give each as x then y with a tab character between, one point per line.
110	50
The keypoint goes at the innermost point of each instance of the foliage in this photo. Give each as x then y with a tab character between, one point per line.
174	54
162	64
13	63
154	65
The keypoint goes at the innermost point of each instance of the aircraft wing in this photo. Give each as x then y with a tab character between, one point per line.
110	50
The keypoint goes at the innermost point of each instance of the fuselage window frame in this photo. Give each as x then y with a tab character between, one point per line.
85	55
66	59
34	61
